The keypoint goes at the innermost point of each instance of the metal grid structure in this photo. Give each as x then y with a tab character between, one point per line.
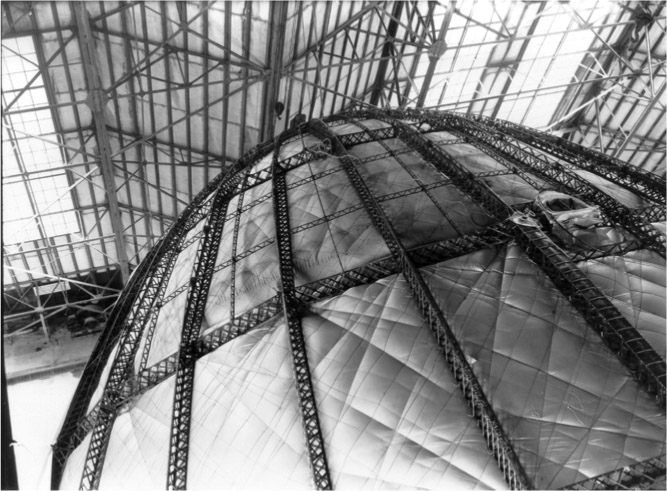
403	134
116	114
121	120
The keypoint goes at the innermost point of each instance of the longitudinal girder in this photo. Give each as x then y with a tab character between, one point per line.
135	324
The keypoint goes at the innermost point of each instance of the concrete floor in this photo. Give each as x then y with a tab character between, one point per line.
30	356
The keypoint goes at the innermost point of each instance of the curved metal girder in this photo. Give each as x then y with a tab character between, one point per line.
523	157
628	176
200	283
490	237
291	311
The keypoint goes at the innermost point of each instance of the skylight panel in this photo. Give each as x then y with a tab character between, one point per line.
30	145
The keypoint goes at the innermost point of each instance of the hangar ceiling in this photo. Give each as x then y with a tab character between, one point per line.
116	114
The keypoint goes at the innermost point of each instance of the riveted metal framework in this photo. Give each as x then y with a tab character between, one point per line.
644	473
136	314
117	114
134	311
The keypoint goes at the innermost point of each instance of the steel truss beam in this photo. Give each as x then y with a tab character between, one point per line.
633	350
525	157
148	310
77	424
436	50
194	314
658	97
653	213
97	101
356	18
637	180
50	310
420	188
291	312
619	249
496	438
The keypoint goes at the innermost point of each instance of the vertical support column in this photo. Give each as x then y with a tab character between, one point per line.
97	99
495	435
435	52
387	48
200	283
304	383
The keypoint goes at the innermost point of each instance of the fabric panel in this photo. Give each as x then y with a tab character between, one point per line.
356	240
570	408
168	328
73	471
391	414
418	221
99	390
138	450
473	159
246	430
635	284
